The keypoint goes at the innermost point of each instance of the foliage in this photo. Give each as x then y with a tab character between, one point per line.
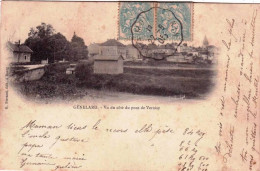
42	31
59	46
46	44
84	71
78	48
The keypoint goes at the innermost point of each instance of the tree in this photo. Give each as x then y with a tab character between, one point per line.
59	47
38	41
46	44
42	31
78	49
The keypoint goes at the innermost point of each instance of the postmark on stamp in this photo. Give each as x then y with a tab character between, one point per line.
155	18
128	12
163	32
168	15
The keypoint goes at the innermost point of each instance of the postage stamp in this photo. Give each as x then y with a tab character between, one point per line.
152	20
128	12
171	17
158	35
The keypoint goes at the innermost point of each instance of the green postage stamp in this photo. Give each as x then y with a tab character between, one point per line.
148	20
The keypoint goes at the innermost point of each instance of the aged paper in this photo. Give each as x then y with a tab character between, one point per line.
129	86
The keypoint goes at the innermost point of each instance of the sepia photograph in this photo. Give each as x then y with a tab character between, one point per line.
152	57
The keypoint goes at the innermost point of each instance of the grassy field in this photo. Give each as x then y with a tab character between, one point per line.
55	83
166	63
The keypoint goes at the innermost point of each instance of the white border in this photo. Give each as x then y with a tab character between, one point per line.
202	1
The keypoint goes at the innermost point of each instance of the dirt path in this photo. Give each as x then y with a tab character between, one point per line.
121	97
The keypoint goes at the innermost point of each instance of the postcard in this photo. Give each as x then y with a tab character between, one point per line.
129	86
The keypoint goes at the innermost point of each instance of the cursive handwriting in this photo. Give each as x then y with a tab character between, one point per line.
32	125
229	144
236	100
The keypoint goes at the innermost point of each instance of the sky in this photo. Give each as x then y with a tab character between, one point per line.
95	22
89	22
0	7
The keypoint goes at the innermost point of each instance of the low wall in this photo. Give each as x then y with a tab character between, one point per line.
29	74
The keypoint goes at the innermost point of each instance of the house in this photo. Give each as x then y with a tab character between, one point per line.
110	58
189	59
204	54
177	57
194	53
112	47
213	50
132	53
108	64
71	69
19	53
93	49
44	61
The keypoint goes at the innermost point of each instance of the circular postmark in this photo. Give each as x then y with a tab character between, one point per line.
158	34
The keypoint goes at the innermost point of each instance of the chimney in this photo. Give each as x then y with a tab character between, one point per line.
18	43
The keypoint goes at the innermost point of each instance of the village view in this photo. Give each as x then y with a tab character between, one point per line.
48	66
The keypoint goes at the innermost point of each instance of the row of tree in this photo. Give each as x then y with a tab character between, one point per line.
46	44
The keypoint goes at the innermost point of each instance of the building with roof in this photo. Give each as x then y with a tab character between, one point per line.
108	64
132	53
205	42
112	47
93	49
19	53
177	57
110	58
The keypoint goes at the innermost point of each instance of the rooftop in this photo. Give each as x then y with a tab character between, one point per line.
19	48
107	58
112	42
